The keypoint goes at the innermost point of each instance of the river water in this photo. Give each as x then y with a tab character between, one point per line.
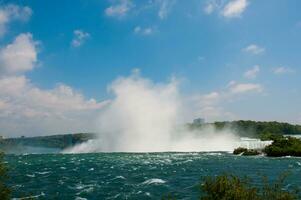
135	175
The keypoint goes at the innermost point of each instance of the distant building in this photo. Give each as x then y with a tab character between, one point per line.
199	121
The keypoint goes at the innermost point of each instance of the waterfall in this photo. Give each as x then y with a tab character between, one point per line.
252	143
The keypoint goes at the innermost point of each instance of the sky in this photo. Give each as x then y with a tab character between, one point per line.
236	59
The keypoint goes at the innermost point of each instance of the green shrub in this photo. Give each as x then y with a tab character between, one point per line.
284	146
230	187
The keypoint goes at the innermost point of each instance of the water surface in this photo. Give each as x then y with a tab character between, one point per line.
134	175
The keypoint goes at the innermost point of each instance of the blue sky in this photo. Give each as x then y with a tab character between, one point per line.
240	58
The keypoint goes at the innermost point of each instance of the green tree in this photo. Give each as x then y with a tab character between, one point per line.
284	146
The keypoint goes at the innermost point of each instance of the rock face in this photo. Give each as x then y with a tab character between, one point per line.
246	152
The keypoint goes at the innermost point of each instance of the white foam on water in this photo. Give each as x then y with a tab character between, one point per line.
42	173
119	177
80	198
153	181
30	197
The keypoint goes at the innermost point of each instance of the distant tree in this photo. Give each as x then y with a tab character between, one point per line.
284	146
263	130
4	190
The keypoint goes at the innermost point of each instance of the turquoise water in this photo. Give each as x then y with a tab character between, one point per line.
134	176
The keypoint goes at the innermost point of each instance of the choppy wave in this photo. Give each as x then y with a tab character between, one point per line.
134	175
30	197
154	181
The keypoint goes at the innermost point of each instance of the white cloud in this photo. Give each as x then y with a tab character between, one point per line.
120	9
144	31
228	9
239	88
61	98
165	7
215	113
234	8
252	73
13	12
79	38
19	56
28	109
254	49
44	110
211	105
209	99
211	6
282	70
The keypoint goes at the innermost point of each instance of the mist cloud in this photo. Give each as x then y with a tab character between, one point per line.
145	116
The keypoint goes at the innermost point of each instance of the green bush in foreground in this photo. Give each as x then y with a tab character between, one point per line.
4	190
230	187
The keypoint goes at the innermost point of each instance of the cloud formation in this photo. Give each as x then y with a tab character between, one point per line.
11	13
254	49
239	88
252	73
227	9
234	8
282	70
211	6
79	38
144	31
120	9
165	7
27	109
211	105
19	56
30	110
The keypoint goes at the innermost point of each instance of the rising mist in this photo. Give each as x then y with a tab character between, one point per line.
144	116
